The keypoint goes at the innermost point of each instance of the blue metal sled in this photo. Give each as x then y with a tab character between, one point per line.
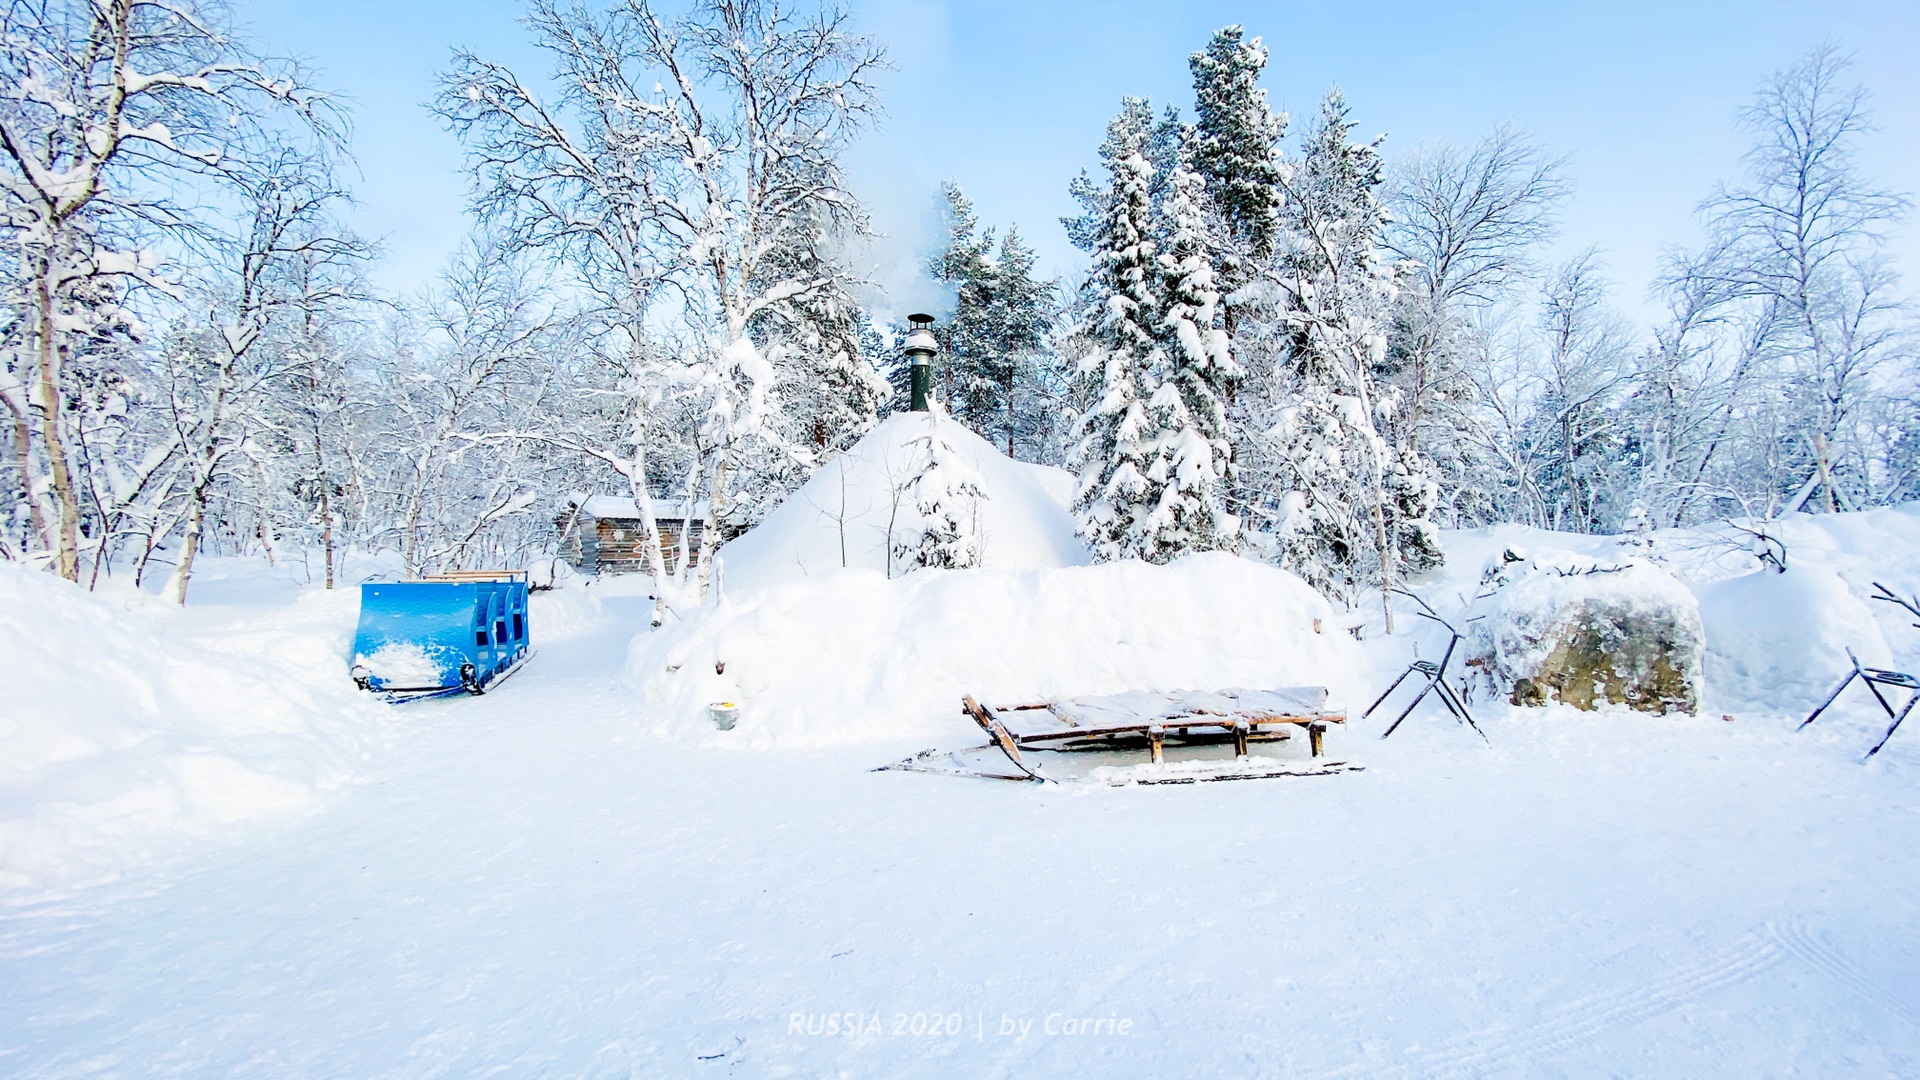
446	634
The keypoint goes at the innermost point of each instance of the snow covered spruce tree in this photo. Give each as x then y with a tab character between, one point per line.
968	370
1116	497
1194	461
945	494
700	146
828	391
999	325
1235	147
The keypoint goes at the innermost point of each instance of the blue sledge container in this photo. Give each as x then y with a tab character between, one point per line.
441	635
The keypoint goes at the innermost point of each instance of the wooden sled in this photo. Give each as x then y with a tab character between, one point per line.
1067	730
1157	719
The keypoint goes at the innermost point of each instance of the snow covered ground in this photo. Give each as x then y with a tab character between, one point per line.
540	882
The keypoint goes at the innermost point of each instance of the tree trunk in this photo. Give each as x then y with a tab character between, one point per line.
23	452
190	544
67	542
710	524
326	528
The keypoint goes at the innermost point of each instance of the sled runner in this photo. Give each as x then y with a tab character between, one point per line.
441	635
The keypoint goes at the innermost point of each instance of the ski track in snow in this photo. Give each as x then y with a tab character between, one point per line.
1588	1019
1811	946
1584	1020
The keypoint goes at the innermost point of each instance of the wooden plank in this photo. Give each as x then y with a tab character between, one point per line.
1225	723
996	731
475	575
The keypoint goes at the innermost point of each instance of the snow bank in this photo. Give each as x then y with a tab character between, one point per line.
567	607
852	656
1780	638
849	512
117	730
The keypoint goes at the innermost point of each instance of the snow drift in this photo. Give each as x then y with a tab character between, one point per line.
852	656
117	730
852	511
1779	638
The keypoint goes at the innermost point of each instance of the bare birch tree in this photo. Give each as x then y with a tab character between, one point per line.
110	108
681	156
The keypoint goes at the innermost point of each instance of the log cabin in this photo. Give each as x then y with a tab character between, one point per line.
603	534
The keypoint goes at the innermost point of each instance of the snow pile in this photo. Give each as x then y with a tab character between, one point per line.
859	508
117	730
568	607
853	656
1779	638
402	664
1587	632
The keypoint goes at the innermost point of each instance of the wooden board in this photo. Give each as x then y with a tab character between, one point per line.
998	732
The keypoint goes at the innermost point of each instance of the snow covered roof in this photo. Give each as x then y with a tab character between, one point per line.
853	510
665	508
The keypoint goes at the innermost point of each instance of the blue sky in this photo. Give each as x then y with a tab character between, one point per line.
1010	98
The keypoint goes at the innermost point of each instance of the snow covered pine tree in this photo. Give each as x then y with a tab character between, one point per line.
946	494
1236	148
1116	497
1193	460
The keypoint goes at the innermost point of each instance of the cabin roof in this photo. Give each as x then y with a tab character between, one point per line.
623	508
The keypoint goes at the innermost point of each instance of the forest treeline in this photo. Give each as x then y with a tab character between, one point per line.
1287	341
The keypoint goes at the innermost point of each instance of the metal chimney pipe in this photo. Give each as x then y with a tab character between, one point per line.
920	348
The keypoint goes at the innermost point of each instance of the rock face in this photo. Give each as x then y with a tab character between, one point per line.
1583	633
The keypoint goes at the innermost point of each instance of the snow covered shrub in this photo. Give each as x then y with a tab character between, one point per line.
946	494
1585	634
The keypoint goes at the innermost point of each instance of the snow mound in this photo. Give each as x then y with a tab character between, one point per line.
1779	638
853	657
849	514
117	731
567	608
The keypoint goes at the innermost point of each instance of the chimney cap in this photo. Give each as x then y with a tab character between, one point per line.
920	320
920	344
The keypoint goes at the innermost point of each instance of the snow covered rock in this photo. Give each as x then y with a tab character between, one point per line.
1586	633
853	656
862	510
